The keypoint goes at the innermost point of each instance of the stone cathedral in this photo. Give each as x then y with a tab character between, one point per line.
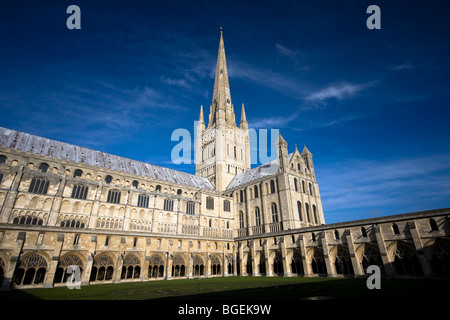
121	220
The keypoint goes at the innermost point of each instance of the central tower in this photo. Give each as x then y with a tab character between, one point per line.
222	148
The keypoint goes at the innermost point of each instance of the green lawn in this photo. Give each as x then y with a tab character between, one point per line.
243	289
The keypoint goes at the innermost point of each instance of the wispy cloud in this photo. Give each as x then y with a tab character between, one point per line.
296	56
272	122
339	92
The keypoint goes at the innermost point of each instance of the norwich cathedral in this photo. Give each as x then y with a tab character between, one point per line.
122	220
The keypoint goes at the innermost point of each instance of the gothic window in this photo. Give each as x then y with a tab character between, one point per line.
371	256
307	212
241	193
64	262
278	263
256	192
39	186
178	266
31	269
190	208
156	266
303	186
440	257
226	205
298	166
113	196
241	219
272	186
295	184
318	262
168	204
296	263
210	203
72	223
79	191
315	213
215	265
406	260
198	265
108	179
131	267
102	268
299	210
43	167
158	188
310	189
2	159
343	262
257	216
274	213
143	201
336	235
77	173
135	184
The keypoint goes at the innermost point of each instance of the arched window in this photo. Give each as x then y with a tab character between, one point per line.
67	260
131	267
2	159
158	188
315	213
168	204
257	216
299	210
336	234
295	184
226	205
43	167
272	186
156	266
30	269
256	192
108	179
135	184
39	186
241	219
307	212
274	213
102	268
77	173
303	186
79	191
310	189
113	196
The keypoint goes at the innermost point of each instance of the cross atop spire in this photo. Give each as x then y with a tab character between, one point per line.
222	110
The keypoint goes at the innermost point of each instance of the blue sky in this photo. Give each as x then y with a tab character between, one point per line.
371	105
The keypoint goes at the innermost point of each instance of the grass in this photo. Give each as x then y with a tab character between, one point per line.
244	289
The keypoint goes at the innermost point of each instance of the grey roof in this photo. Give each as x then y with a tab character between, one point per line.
267	169
16	140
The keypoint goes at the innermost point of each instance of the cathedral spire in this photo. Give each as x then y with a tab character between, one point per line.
243	124
222	111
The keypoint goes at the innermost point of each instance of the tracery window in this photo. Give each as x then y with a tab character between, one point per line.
156	266
31	269
131	267
198	266
67	260
102	268
178	266
39	186
215	265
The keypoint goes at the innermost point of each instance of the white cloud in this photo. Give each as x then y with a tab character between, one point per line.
272	122
339	92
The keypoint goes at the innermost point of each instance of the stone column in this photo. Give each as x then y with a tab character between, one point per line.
286	269
383	252
355	261
424	263
306	265
331	270
269	266
50	275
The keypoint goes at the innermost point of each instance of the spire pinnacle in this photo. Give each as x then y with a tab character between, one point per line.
201	118
221	107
